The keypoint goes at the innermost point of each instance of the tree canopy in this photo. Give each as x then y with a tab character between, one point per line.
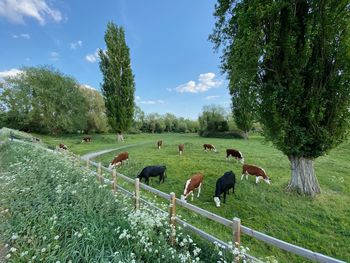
118	85
296	57
42	99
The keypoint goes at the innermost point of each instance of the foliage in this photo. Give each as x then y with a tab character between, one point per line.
42	99
295	55
156	123
96	111
213	119
118	85
52	212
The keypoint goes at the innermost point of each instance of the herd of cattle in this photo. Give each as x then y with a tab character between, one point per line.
223	184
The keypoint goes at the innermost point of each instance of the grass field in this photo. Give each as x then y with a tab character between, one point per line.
52	211
321	224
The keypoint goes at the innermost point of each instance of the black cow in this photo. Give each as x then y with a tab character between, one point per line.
152	171
223	185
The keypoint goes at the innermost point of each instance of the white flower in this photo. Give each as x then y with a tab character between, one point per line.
57	237
43	250
8	255
14	237
13	249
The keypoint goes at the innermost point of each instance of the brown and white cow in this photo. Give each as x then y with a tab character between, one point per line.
255	171
195	182
119	159
87	139
159	144
235	154
209	147
181	148
63	146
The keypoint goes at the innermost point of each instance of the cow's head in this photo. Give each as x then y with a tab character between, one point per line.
267	180
217	201
241	160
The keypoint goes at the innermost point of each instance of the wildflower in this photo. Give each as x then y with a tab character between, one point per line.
57	237
13	249
8	255
24	253
43	250
14	237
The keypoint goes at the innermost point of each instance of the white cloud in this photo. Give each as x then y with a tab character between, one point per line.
17	10
137	98
152	102
9	73
54	56
88	86
205	82
211	97
25	36
169	89
92	57
75	45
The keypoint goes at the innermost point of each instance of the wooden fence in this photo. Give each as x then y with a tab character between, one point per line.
234	224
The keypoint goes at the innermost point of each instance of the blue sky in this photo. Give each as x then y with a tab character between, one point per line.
175	67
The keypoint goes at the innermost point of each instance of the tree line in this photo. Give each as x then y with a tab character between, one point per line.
44	100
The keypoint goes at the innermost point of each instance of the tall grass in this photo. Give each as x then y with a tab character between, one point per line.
53	212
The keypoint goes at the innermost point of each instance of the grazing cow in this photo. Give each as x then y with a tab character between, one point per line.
235	154
209	147
223	185
195	182
159	144
152	171
87	139
118	160
181	148
255	171
63	146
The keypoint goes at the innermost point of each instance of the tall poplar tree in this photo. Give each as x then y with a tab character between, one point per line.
297	55
118	85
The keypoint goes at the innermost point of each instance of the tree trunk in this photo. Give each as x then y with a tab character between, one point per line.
303	180
245	135
120	137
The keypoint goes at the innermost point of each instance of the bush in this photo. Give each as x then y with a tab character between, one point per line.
235	134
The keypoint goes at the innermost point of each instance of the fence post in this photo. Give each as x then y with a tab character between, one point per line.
114	184
236	231
137	193
172	216
99	173
88	163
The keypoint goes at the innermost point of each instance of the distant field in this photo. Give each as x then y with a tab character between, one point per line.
322	224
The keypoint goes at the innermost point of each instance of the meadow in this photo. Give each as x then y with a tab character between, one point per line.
52	211
321	224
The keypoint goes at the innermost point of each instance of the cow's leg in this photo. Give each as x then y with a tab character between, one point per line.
242	177
192	194
224	196
246	176
147	180
257	180
199	189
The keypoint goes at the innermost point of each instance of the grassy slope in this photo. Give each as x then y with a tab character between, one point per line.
321	224
60	214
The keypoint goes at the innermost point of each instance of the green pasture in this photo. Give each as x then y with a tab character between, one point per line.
321	224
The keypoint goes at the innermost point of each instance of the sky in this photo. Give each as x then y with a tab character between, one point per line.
176	69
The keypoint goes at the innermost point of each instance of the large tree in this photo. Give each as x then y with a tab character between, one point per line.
42	99
296	53
118	85
96	110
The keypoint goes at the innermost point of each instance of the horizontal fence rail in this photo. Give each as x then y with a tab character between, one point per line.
306	253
